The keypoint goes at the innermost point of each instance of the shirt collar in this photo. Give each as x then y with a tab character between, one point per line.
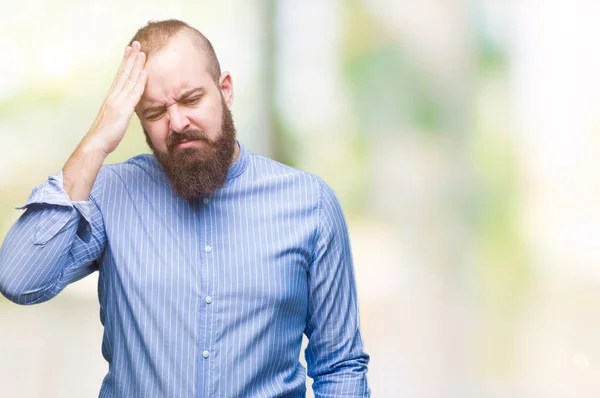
238	167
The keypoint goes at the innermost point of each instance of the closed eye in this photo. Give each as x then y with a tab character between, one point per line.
155	116
190	101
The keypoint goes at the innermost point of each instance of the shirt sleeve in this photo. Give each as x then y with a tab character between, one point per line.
53	243
335	356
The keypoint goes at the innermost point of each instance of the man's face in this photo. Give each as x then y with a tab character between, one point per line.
186	118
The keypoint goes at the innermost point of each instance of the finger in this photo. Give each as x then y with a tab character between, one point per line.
138	90
127	52
121	68
133	76
128	63
124	72
135	72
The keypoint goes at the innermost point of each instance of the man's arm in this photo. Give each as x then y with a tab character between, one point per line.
110	125
61	234
53	243
335	356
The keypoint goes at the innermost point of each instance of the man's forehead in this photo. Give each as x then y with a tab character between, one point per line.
157	96
175	68
178	55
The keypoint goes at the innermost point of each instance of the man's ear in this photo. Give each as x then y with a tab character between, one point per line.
226	87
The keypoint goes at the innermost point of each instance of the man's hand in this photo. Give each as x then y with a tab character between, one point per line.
81	170
117	110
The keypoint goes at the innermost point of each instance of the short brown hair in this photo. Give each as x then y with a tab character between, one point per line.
156	34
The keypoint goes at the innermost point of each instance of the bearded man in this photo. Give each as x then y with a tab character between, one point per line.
213	261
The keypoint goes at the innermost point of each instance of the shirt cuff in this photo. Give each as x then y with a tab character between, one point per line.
52	192
57	211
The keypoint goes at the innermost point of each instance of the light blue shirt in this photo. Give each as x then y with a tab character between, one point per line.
209	299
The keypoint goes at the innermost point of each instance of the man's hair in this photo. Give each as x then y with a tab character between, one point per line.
156	34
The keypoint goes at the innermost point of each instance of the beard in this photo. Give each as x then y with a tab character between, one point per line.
198	170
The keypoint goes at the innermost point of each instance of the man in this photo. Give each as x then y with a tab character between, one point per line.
213	261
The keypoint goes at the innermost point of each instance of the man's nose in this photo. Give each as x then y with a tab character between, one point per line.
178	121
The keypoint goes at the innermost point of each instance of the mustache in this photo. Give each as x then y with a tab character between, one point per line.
187	135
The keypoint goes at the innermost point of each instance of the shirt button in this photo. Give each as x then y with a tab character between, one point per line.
207	249
205	354
208	299
205	200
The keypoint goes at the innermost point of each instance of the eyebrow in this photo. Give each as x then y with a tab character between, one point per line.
184	95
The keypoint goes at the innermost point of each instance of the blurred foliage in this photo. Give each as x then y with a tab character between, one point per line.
389	88
502	272
21	101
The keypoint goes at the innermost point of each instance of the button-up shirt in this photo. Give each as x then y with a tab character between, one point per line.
208	298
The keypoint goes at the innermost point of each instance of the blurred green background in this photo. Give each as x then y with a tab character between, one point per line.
460	136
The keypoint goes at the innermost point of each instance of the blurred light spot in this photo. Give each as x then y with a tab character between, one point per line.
580	361
12	72
56	63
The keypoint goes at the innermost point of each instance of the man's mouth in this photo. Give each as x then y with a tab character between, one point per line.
186	144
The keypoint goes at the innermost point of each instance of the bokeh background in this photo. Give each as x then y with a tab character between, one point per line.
461	137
